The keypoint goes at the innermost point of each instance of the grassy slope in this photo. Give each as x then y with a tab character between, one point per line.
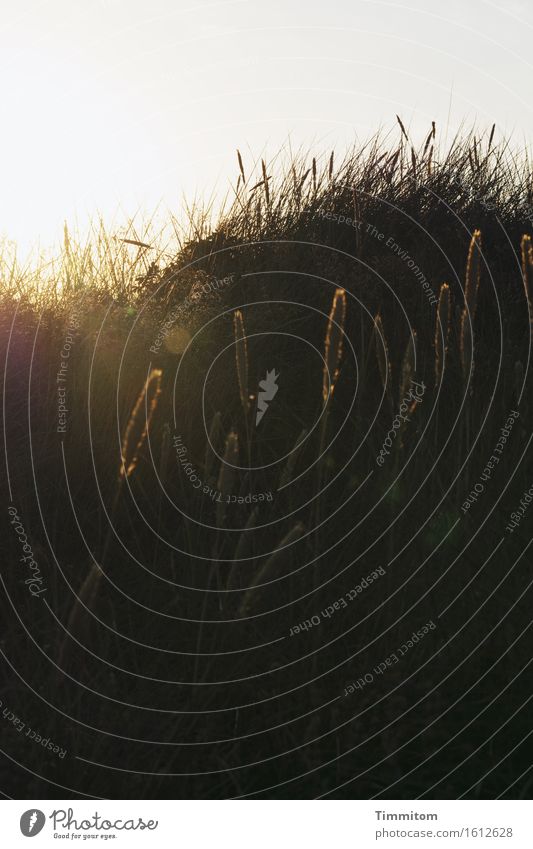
156	604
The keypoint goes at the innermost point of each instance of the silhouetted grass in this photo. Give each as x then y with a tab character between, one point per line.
179	665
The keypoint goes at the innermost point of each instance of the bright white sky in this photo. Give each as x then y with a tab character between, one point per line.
110	103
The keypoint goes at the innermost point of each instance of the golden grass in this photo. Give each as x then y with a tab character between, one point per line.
137	427
471	291
473	272
132	442
333	344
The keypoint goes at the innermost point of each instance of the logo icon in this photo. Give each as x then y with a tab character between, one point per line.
268	388
32	822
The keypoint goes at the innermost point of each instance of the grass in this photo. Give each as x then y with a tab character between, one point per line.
174	575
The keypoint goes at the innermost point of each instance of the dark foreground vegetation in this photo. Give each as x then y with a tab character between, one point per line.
335	600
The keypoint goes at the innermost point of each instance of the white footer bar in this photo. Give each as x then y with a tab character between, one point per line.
268	824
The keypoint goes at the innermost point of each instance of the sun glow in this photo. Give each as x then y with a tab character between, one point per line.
116	106
67	149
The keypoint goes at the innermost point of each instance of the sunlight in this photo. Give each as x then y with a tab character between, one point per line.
67	152
118	106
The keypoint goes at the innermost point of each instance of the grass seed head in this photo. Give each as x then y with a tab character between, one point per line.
333	343
138	425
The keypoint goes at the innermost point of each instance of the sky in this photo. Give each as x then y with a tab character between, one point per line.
115	106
